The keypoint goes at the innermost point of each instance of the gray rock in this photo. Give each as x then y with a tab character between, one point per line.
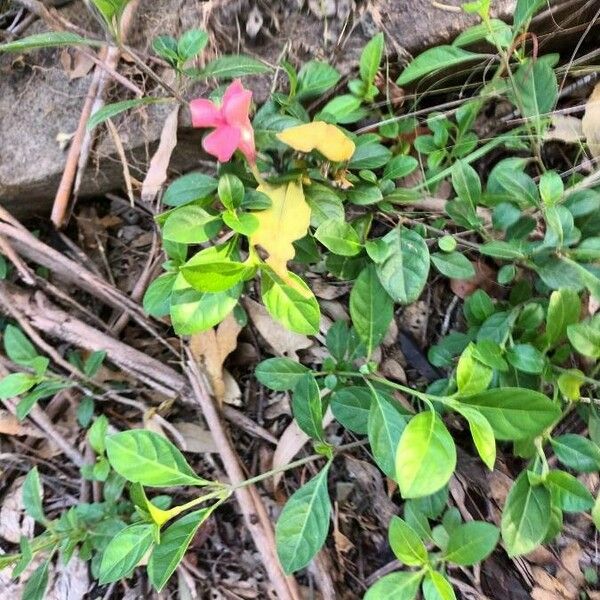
39	104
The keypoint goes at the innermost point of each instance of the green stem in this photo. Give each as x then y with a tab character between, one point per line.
297	463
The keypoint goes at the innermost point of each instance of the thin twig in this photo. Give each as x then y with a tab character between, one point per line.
253	510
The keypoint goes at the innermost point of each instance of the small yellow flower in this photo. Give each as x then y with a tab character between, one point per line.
328	139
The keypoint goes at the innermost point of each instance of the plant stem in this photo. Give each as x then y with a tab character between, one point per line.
297	463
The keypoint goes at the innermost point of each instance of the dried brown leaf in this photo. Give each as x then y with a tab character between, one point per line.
590	124
280	340
211	348
157	171
565	128
290	443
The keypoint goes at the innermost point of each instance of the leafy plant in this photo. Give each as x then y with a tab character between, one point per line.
299	189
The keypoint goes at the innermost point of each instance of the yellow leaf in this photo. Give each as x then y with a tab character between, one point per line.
284	222
328	139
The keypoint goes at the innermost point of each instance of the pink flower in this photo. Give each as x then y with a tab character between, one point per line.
232	125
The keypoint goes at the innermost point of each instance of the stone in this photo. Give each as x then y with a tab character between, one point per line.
40	106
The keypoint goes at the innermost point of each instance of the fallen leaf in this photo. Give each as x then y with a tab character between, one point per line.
284	222
564	128
14	523
10	425
328	139
72	581
196	438
281	340
590	124
157	172
485	278
210	349
292	440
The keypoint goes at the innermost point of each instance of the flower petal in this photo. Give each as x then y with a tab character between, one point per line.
205	113
222	142
246	143
236	104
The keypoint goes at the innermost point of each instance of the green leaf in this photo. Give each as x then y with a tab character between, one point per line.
342	109
193	311
370	58
307	407
97	434
315	78
303	524
17	346
577	452
526	358
189	188
157	298
481	432
466	183
145	457
116	108
124	552
568	492
296	308
93	362
499	31
563	310
351	406
165	46
339	237
280	374
365	194
385	426
514	413
425	457
44	389
395	586
404	271
471	542
50	39
490	354
241	222
406	544
505	250
526	516
535	89
35	588
25	559
190	225
369	156
435	59
437	587
230	67
472	376
453	264
32	496
110	10
212	274
325	204
191	43
231	191
174	542
524	10
596	513
371	308
16	383
585	337
400	166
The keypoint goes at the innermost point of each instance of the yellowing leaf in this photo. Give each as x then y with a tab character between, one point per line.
591	121
285	221
328	139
